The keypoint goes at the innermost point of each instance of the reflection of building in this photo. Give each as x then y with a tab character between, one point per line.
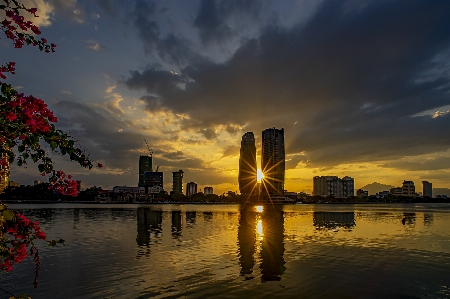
208	190
176	223
247	164
427	189
191	188
153	181
145	164
273	160
247	239
334	220
177	181
148	221
191	218
333	186
272	246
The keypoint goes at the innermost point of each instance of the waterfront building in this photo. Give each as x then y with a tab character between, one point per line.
397	191
208	190
191	188
408	188
126	189
348	186
383	194
273	161
247	164
177	182
153	181
427	190
333	186
361	193
145	164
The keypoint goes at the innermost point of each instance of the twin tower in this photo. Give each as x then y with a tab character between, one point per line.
272	164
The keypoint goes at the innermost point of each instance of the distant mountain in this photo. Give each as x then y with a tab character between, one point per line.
375	187
441	191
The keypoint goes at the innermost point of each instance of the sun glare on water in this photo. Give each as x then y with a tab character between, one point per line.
259	175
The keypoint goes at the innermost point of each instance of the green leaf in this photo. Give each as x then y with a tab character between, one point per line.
41	167
53	145
9	216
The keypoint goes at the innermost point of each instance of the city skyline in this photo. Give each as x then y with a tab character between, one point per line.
355	96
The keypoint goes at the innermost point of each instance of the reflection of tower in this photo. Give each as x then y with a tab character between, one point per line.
427	219
334	220
247	239
145	164
148	221
247	164
208	216
272	247
272	160
191	218
176	223
409	218
177	182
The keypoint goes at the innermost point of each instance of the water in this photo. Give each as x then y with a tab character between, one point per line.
224	251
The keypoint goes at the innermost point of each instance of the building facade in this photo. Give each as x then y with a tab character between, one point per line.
153	179
333	186
126	189
177	182
408	188
427	190
208	190
191	188
145	164
273	161
247	164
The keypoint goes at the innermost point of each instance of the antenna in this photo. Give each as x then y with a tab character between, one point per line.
150	151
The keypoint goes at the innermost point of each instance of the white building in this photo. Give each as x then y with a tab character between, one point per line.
334	186
408	188
126	189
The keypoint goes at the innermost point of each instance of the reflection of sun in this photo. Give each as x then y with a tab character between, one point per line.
259	175
259	209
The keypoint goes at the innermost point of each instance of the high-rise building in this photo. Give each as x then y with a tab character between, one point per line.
177	182
208	190
427	189
247	164
145	164
191	188
334	186
272	161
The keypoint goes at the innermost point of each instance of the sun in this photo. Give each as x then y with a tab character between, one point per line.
259	175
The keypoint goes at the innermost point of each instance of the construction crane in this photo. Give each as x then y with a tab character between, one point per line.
150	151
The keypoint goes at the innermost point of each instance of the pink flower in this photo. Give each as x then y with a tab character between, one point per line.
10	116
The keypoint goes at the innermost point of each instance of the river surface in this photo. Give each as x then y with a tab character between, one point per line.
228	251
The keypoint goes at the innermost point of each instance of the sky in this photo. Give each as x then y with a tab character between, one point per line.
360	87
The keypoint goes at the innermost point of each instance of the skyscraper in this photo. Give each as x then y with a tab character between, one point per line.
272	161
177	181
247	164
427	189
145	164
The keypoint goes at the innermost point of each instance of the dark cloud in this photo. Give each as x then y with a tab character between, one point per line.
213	16
231	150
170	48
352	79
439	163
105	138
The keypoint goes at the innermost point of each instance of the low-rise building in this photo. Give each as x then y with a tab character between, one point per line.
126	189
361	193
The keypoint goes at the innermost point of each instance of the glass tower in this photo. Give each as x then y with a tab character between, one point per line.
272	161
247	164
